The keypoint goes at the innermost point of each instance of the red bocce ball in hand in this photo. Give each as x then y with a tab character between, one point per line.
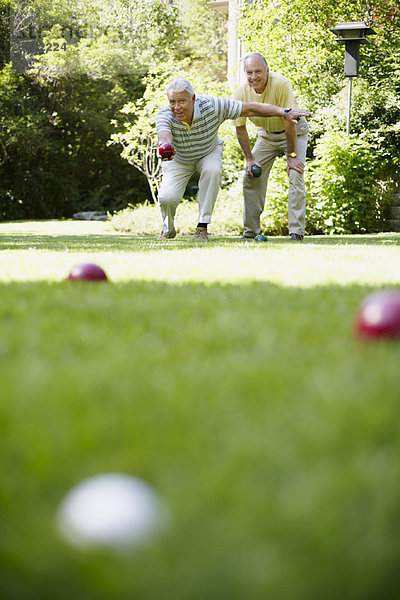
166	150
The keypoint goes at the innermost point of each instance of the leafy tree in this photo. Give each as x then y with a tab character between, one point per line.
53	154
294	35
4	32
206	38
54	157
146	26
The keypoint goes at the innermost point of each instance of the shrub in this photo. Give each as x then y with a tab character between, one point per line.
345	193
146	219
227	218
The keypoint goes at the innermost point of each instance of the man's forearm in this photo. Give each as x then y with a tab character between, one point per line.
291	136
294	163
258	109
164	136
244	141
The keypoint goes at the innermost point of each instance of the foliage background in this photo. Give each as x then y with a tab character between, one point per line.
349	180
56	118
62	121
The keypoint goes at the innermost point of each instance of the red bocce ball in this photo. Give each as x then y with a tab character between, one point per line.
165	150
379	315
87	272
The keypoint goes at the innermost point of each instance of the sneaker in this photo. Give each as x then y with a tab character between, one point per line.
201	235
296	237
248	237
167	236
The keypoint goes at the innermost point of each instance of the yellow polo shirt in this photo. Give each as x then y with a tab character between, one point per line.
278	91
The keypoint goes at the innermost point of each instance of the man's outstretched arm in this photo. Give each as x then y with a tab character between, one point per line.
258	109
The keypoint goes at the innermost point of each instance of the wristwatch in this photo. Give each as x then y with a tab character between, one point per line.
293	155
285	112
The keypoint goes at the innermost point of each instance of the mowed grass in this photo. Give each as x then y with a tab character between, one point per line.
227	376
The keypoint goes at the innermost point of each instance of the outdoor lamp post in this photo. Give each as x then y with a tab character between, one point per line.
351	35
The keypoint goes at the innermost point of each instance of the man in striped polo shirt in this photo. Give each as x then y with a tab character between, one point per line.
190	124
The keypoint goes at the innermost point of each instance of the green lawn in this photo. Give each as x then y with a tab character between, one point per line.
227	377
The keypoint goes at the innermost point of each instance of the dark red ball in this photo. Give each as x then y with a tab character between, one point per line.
87	272
166	150
379	315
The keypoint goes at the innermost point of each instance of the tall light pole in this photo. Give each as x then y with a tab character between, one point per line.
351	35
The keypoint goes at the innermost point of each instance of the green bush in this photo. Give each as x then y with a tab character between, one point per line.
345	194
233	158
146	219
375	116
274	220
377	113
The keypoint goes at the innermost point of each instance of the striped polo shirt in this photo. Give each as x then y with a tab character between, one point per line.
195	142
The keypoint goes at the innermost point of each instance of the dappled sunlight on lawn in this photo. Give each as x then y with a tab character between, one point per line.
56	227
285	265
46	251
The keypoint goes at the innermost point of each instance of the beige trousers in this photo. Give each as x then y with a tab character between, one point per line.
267	147
175	177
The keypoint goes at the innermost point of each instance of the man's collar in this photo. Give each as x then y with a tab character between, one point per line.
196	109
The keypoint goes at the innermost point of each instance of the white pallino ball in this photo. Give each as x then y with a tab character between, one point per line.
111	510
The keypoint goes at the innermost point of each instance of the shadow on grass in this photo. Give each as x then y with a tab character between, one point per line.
135	243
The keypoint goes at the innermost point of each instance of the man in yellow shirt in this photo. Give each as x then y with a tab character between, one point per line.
274	138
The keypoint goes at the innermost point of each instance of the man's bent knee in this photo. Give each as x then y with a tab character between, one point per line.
168	200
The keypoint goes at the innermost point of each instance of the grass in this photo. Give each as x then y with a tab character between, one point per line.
227	377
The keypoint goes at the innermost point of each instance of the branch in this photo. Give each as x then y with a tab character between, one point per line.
147	162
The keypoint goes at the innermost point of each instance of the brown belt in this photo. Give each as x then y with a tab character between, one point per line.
276	132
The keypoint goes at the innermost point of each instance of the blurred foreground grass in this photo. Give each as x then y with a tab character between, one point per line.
228	378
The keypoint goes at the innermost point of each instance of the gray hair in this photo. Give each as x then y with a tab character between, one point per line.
180	85
251	54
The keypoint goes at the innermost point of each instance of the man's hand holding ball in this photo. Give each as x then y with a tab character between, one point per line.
166	151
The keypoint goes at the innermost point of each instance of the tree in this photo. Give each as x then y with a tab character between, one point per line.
206	37
4	32
56	118
99	37
294	35
53	154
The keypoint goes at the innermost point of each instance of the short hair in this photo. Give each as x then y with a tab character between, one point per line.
180	85
255	54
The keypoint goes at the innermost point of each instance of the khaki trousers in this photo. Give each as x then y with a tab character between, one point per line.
175	177
267	147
